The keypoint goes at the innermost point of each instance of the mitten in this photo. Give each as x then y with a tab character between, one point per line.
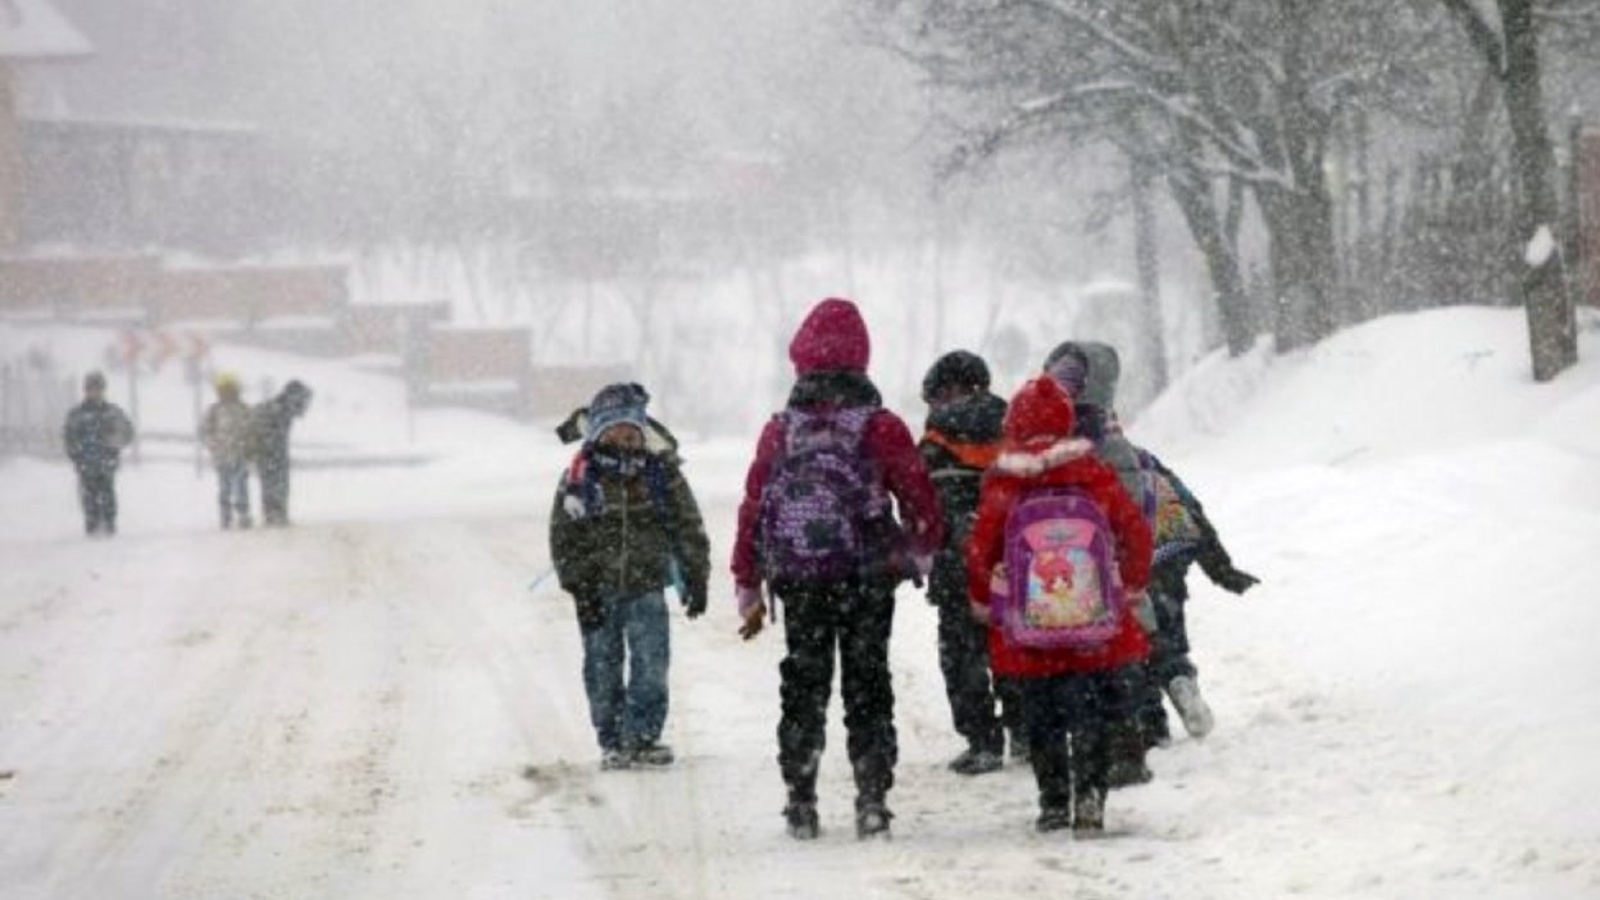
694	602
752	609
591	611
1235	581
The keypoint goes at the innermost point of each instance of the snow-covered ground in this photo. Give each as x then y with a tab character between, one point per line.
375	703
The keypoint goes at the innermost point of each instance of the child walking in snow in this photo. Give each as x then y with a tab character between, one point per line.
961	439
1184	535
1088	371
817	527
624	527
1067	691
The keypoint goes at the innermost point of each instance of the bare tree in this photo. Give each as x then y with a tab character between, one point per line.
1511	54
1239	95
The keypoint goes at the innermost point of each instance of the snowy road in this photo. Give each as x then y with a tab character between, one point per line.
374	705
375	710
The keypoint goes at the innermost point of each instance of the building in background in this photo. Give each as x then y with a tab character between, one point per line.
31	32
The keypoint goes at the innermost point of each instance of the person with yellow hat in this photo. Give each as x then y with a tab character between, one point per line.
225	430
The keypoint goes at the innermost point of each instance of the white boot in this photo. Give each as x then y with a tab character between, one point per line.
1192	708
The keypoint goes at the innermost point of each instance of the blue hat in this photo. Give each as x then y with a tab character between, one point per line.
616	404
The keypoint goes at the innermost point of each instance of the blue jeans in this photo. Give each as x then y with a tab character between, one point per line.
635	633
233	491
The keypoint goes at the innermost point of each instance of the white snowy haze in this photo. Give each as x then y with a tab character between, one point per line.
627	181
384	700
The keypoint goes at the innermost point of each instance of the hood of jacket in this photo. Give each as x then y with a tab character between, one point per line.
1104	371
1038	430
832	338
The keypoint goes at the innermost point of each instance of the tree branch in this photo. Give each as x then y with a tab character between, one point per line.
1480	34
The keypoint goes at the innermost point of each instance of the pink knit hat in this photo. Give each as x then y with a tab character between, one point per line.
832	338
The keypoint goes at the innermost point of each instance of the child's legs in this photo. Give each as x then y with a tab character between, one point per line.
1047	716
1101	702
1169	646
806	682
866	617
648	635
964	661
602	677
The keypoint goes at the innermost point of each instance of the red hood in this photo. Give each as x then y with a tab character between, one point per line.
1039	415
833	338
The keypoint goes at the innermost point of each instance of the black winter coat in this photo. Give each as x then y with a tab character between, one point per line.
95	434
958	443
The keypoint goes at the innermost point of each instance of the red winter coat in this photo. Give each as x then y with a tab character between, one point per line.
886	440
1039	452
830	351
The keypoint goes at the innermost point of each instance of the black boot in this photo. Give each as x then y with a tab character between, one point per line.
1052	770
1126	746
801	817
872	817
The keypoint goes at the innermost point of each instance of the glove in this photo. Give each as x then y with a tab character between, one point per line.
1145	612
980	612
752	609
591	611
1235	581
694	602
922	564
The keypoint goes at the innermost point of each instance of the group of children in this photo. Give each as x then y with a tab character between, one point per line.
1039	646
236	435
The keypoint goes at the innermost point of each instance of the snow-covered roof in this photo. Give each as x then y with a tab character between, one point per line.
33	29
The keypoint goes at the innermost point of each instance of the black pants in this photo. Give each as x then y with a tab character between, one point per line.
964	661
274	491
1169	658
97	493
1070	719
854	621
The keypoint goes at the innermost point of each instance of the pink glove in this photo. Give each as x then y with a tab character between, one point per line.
752	610
749	598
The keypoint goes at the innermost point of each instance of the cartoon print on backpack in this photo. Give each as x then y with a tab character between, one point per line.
1062	588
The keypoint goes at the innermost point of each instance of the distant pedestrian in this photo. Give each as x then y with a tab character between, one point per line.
95	434
225	431
270	423
817	525
624	527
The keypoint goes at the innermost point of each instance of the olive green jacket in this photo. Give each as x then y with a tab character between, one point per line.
625	546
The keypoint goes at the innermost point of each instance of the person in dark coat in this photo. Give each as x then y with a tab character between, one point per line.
848	618
1089	371
270	423
95	434
225	430
624	527
960	440
1184	535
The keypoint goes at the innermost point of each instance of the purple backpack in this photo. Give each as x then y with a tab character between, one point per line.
1061	586
818	498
